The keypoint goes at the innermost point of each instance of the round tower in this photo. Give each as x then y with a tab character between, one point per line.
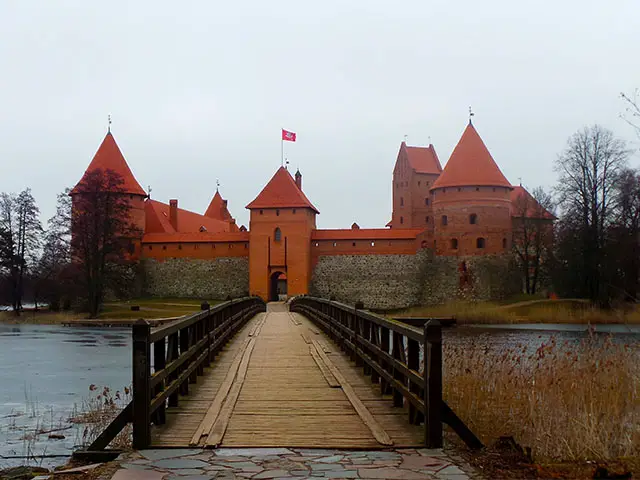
110	158
471	202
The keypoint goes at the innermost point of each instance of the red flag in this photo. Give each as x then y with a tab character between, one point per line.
288	136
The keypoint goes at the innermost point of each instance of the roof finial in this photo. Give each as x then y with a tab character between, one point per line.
405	138
520	180
149	192
471	114
217	184
109	122
286	163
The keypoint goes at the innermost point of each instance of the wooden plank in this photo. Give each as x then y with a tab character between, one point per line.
306	338
326	373
214	409
215	435
378	432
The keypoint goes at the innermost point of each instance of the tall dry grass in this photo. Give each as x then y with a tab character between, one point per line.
565	401
97	411
536	311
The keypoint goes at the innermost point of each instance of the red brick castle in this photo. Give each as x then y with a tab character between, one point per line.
444	222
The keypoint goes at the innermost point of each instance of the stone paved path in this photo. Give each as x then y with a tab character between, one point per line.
288	463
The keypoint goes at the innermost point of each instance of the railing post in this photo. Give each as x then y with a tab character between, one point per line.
141	389
159	362
413	362
433	384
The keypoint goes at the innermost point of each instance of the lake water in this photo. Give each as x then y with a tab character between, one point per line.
44	372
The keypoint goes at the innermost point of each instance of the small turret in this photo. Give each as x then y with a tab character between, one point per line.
299	179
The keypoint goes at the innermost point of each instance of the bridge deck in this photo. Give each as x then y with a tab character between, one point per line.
265	389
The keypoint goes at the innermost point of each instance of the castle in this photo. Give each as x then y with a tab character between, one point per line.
450	234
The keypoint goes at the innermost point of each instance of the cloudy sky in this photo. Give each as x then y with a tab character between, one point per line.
198	91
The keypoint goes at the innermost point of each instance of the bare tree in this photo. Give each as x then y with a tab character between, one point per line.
20	224
632	110
533	234
55	258
102	232
589	168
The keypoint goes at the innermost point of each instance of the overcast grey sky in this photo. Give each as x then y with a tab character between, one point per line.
199	91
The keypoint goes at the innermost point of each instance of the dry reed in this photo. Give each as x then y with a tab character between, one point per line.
96	412
566	401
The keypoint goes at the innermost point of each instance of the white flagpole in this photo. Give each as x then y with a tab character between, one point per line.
281	148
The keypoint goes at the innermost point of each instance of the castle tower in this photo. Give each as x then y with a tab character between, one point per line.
471	201
282	220
109	157
416	169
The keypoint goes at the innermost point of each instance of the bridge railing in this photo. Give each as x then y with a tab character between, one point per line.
406	361
167	359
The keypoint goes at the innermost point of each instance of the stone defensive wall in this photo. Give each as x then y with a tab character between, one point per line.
385	269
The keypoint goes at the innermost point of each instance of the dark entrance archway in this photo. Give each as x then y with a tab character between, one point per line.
277	286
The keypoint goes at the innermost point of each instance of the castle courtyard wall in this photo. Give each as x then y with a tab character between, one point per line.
212	279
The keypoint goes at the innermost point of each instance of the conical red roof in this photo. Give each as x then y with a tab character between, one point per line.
281	192
218	208
471	164
109	157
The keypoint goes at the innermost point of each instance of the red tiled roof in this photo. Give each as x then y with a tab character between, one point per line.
218	208
157	220
423	159
281	191
521	200
109	157
471	164
195	237
366	234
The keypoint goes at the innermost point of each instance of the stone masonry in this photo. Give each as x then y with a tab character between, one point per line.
185	277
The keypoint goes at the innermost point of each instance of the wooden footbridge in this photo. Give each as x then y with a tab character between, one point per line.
312	373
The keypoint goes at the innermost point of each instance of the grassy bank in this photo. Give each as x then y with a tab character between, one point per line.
530	311
150	308
566	403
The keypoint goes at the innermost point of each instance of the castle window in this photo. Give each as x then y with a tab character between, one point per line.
353	244
426	201
164	247
480	242
213	246
150	247
473	219
494	189
402	201
335	244
454	243
459	189
477	189
131	197
316	244
426	184
373	244
444	190
277	234
401	220
504	243
426	219
196	246
203	228
445	220
418	182
277	213
294	211
179	247
261	212
246	245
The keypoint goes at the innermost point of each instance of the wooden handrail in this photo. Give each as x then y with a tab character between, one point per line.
406	361
169	358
